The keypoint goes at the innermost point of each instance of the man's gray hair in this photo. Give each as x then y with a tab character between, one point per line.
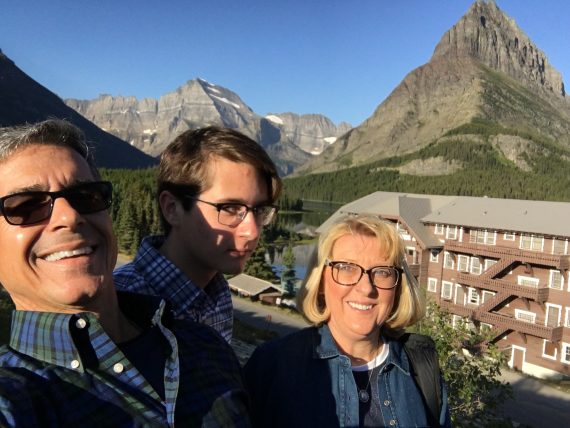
53	132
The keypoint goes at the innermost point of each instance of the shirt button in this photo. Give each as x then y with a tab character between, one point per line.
386	402
392	422
80	323
74	364
118	368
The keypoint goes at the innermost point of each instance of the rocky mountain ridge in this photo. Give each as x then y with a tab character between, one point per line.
23	100
483	68
150	124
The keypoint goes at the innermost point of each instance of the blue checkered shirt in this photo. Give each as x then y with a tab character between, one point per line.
152	273
63	370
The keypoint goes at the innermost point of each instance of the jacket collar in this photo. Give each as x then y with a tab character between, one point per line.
324	347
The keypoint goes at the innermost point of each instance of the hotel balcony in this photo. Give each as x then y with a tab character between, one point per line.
561	262
538	294
504	322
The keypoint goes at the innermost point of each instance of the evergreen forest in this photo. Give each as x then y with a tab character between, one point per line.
485	172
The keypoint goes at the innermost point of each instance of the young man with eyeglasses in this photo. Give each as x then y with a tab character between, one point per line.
81	354
216	191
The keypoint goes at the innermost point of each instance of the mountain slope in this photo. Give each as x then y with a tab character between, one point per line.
484	67
24	100
151	124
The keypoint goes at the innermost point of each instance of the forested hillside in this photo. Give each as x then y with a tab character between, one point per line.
483	170
539	172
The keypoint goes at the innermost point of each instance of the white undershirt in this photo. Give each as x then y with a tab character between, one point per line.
377	361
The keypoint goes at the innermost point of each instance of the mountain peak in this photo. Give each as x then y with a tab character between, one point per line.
488	35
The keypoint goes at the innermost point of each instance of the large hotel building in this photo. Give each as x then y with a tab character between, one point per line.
500	264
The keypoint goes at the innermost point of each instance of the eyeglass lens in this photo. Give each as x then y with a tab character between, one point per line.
233	214
350	274
33	207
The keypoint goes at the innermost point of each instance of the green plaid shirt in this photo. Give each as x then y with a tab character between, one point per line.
63	370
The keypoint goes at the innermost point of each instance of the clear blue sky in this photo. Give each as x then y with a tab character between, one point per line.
340	58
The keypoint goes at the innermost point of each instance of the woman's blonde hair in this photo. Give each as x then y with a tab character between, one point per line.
408	305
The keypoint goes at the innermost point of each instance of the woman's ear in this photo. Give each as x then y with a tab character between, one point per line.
171	208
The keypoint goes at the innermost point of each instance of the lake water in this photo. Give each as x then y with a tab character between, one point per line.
302	255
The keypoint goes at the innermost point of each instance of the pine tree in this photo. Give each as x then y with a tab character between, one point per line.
288	278
258	267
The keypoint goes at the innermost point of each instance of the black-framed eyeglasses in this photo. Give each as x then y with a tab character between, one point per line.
232	213
30	207
347	273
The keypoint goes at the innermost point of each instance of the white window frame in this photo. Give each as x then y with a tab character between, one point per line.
521	279
473	268
565	242
448	257
564	350
463	289
519	314
456	319
488	264
567	318
534	242
439	229
509	236
485	293
462	263
545	355
551	279
432	258
473	297
444	285
451	233
432	285
549	306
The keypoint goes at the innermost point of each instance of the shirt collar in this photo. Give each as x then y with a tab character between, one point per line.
168	281
68	339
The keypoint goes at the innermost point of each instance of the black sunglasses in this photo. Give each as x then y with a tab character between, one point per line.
32	207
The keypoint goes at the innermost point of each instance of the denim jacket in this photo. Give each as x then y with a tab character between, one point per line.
302	380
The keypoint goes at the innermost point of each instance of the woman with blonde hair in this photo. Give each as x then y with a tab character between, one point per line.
352	367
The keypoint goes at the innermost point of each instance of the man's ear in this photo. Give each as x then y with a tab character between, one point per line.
171	208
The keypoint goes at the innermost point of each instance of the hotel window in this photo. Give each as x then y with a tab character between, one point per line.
462	263
565	357
528	281
549	349
448	260
525	316
476	266
434	256
489	263
438	229
473	296
451	232
486	295
559	246
509	236
556	280
531	242
553	315
432	285
484	237
446	290
457	321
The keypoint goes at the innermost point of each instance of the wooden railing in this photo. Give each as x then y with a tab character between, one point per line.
538	294
553	334
525	256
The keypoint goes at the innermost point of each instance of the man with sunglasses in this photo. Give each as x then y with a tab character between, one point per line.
216	190
81	354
